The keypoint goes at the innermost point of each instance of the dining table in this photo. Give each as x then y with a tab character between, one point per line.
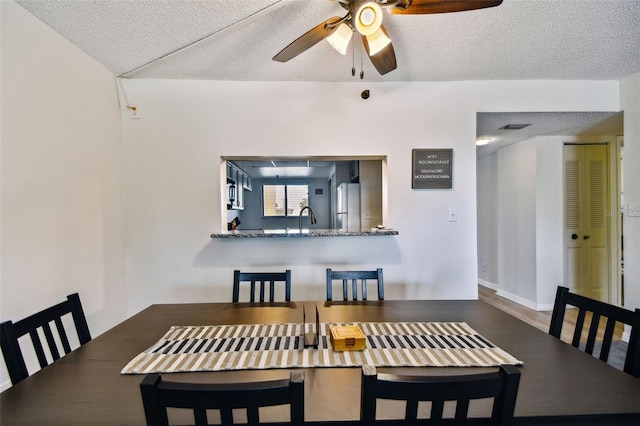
559	385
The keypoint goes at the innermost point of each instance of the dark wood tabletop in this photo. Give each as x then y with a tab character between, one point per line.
559	384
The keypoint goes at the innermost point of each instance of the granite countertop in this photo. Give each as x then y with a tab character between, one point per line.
295	233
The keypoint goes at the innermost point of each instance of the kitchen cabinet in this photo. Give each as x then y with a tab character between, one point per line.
354	171
237	182
246	183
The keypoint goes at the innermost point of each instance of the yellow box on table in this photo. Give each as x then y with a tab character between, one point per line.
348	338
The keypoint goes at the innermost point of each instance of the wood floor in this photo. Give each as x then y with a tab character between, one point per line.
539	319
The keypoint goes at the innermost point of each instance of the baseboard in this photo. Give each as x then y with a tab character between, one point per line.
488	284
545	307
517	299
512	297
5	385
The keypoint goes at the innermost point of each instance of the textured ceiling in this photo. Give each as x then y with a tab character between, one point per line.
581	124
520	39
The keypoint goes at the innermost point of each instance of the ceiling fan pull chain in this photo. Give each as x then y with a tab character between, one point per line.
361	66
353	57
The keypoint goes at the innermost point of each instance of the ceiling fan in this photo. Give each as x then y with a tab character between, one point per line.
365	18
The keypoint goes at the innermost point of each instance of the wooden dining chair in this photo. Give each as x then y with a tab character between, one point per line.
597	310
158	395
500	385
261	280
354	277
37	325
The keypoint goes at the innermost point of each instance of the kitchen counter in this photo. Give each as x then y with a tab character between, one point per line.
295	233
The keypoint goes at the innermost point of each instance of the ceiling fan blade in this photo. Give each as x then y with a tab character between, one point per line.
384	60
307	40
424	7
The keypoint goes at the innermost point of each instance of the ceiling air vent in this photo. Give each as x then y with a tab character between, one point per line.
514	126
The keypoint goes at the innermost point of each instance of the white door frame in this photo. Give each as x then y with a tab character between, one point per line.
614	209
617	294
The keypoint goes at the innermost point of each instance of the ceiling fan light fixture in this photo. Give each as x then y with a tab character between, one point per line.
368	18
377	41
340	38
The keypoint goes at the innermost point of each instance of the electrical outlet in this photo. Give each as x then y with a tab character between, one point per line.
633	210
484	267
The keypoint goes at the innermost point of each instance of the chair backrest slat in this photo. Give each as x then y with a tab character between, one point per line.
593	332
200	417
38	348
435	416
577	333
11	332
607	339
272	290
62	333
462	409
364	288
355	278
51	343
253	416
158	395
598	310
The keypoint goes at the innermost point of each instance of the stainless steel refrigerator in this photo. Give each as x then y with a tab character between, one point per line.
348	207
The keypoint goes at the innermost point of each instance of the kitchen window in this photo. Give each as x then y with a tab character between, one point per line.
284	200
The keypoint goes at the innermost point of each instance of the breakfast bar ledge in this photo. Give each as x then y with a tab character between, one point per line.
295	233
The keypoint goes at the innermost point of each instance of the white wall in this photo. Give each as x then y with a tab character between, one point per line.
173	177
62	190
487	194
630	104
517	220
173	195
520	220
549	220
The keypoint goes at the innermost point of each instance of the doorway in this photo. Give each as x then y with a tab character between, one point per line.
546	128
586	237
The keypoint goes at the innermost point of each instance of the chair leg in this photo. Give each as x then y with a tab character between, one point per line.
297	397
367	395
155	414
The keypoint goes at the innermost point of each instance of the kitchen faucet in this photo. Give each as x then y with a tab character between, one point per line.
313	217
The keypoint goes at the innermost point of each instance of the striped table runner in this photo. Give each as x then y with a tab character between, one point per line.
262	346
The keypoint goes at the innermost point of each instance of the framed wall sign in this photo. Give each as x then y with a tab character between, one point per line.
432	169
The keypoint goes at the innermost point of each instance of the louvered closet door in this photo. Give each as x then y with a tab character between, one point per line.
586	222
